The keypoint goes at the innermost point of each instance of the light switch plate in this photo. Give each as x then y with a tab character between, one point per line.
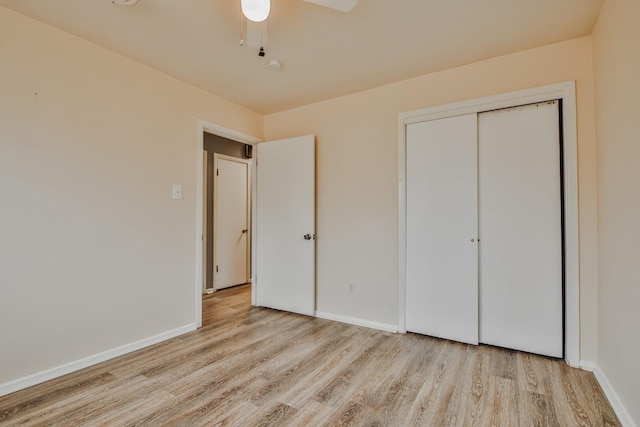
177	192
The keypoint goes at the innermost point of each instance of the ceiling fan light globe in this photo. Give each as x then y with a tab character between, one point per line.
256	10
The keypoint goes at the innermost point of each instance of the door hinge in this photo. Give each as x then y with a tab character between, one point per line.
217	172
216	268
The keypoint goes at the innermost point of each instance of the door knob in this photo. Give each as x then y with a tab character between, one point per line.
244	231
307	237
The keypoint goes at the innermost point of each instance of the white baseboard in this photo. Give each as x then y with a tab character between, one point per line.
614	400
67	368
587	366
358	322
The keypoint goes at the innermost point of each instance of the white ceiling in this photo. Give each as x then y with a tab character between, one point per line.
324	53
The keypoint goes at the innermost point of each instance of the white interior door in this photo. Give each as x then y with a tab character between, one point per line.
285	226
442	221
520	229
231	222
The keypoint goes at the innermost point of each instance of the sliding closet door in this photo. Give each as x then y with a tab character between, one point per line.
442	252
520	229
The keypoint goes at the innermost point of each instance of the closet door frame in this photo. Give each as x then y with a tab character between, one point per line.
567	94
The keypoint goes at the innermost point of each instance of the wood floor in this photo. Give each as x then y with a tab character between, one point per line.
258	367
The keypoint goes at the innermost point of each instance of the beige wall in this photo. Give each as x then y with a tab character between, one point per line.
616	43
357	174
94	253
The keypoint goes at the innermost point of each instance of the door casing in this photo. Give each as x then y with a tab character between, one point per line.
204	224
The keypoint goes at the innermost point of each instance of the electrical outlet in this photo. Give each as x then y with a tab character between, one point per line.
352	288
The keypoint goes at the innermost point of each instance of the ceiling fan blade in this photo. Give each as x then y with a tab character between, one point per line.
124	2
341	5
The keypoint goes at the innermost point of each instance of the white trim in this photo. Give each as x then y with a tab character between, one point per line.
587	366
49	374
567	93
254	228
202	127
358	322
402	225
228	133
216	157
614	399
205	167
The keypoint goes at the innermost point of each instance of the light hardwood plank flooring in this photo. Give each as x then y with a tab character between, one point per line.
258	367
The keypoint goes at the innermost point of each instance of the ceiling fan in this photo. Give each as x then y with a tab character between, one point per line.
258	10
341	5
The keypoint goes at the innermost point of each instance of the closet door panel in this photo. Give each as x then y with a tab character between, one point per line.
520	230
442	257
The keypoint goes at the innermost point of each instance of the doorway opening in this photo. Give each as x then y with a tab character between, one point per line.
227	215
218	144
226	304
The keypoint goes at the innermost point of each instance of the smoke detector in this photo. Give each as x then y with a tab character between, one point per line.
274	64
